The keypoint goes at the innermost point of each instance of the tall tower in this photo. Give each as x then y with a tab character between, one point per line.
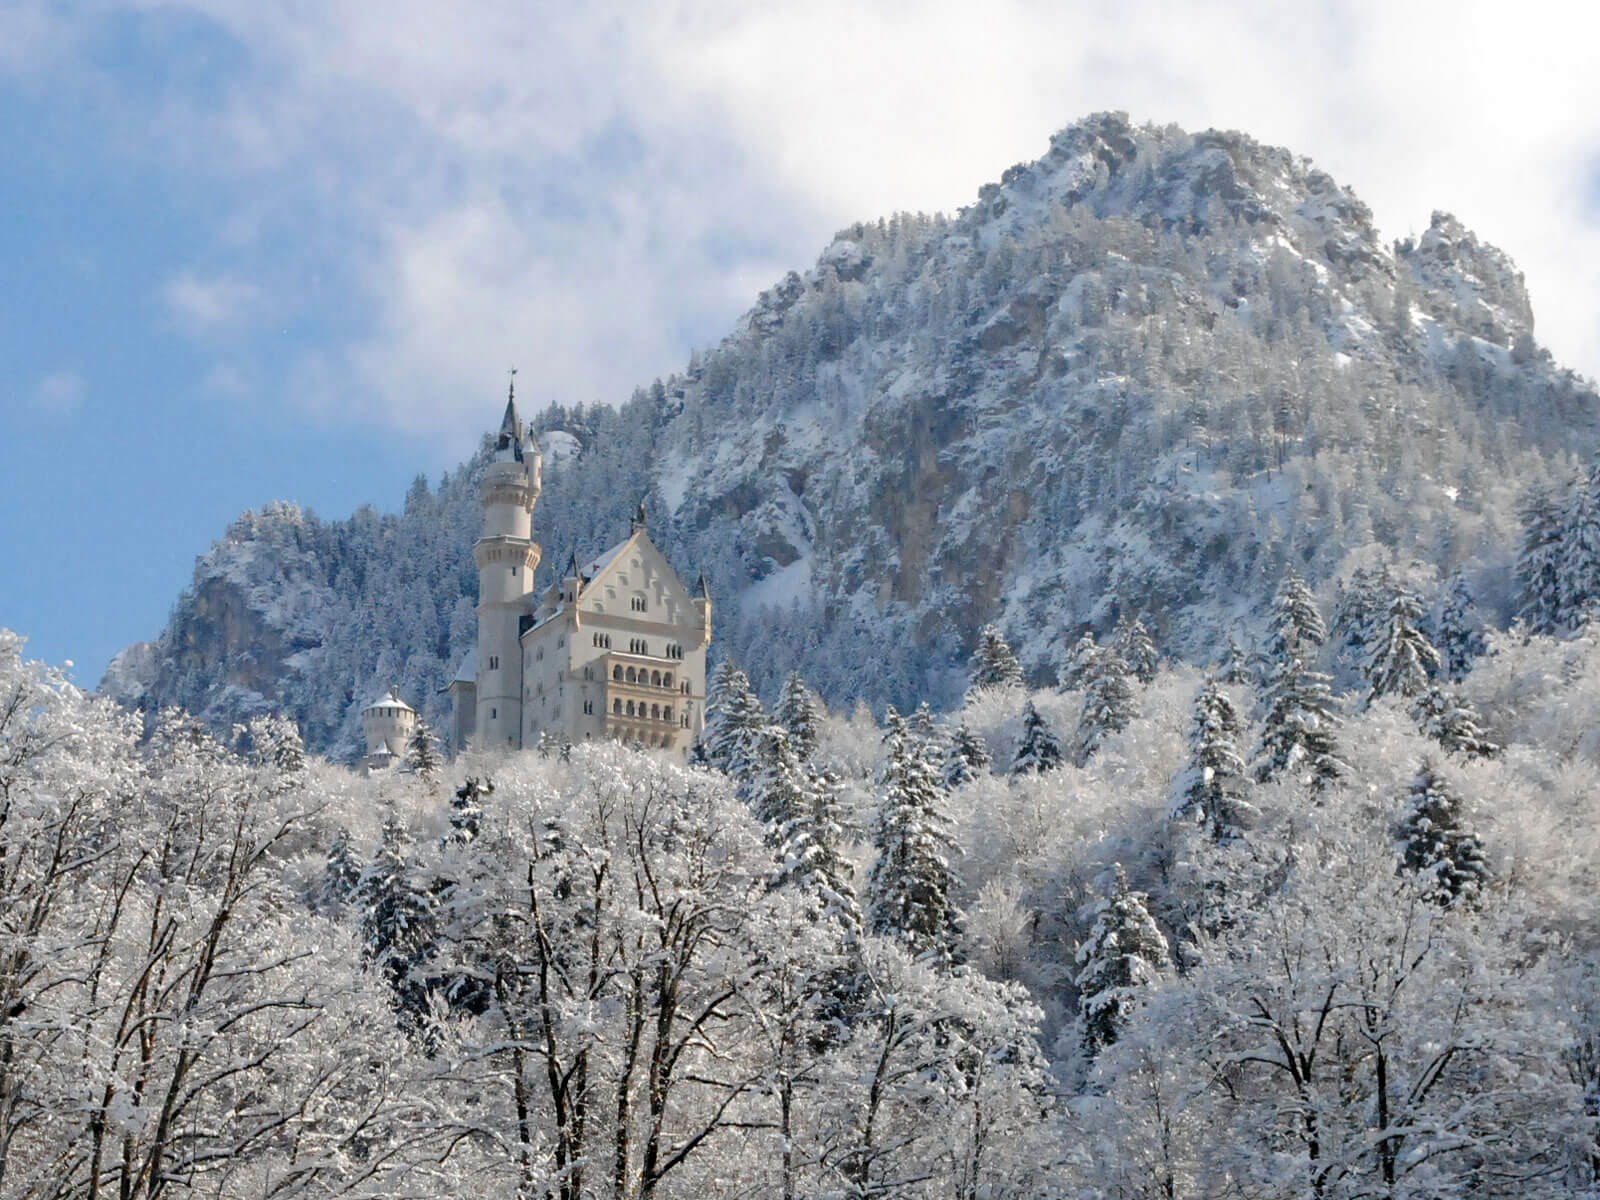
506	556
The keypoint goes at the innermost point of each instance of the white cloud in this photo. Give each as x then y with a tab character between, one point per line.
61	392
585	191
205	305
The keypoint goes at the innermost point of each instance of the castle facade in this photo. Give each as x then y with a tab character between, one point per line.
615	648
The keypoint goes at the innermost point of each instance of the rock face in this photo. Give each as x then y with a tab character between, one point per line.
1143	373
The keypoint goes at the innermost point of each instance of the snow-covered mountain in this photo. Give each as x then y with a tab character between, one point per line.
1144	373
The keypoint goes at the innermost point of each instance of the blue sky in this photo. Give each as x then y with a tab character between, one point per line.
280	250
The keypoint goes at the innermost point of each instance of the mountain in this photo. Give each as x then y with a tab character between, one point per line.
1143	375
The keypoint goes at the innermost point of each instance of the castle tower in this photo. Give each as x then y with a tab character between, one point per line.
388	723
506	556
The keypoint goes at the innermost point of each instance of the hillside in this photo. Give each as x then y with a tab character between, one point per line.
1143	373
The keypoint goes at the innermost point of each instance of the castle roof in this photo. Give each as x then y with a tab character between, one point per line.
467	672
390	699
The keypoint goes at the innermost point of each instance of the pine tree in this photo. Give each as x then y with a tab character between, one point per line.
1107	702
799	712
1235	666
397	928
1403	660
1121	960
920	724
968	757
422	751
1578	571
778	791
734	723
275	742
1137	649
341	878
1460	631
1297	733
466	810
810	849
1039	750
993	663
1357	620
910	892
1453	723
1447	858
1076	667
1539	572
1296	625
1210	791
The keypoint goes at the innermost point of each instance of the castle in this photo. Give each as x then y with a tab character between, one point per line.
613	649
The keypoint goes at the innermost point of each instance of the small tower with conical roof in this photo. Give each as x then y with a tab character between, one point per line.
506	556
388	723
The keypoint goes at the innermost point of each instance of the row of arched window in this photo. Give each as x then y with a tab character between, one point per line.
638	646
603	640
657	712
640	675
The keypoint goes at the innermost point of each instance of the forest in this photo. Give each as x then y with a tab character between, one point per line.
1314	920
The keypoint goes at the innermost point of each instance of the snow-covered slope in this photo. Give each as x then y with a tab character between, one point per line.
1144	372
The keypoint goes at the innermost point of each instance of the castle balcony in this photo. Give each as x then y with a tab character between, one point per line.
641	673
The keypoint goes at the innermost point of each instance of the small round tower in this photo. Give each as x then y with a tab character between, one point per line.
388	723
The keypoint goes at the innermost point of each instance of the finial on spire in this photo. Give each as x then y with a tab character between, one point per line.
638	518
510	438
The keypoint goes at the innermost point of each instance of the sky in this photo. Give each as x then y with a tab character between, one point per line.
288	249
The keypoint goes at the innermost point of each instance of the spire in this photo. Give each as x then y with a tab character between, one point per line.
703	589
511	425
572	566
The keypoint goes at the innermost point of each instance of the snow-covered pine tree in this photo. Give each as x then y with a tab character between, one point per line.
1461	640
1235	666
1578	572
1453	723
1539	572
1123	957
1434	842
422	752
1107	702
341	877
920	723
967	757
734	722
1357	618
1077	663
1297	732
1210	791
810	850
1296	625
910	891
1403	660
398	924
799	712
1137	648
466	809
1038	750
993	662
779	789
275	741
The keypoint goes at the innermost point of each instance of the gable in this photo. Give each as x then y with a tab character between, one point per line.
635	572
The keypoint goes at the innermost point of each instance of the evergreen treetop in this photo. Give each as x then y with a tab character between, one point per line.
1123	957
1434	843
993	662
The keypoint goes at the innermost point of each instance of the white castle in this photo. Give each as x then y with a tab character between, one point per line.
615	649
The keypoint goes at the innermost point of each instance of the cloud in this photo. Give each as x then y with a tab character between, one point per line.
587	192
203	306
61	392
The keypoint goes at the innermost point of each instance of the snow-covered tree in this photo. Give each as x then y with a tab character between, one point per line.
398	923
1137	649
1539	561
1235	665
811	849
1453	723
779	790
341	877
422	752
734	722
799	712
1435	844
1402	659
1119	962
1038	750
466	809
1076	664
1461	640
910	892
1297	731
1108	704
993	662
1359	615
967	757
1578	568
1296	625
1210	790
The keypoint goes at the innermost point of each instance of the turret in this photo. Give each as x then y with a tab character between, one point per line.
702	608
388	723
506	557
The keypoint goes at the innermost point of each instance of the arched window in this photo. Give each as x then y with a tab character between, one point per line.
655	678
666	712
684	688
616	673
616	707
655	712
666	679
632	675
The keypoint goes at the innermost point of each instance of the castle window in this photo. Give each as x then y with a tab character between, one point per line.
494	662
655	678
630	708
655	712
632	676
685	721
616	673
494	714
638	604
666	679
616	707
685	687
588	708
666	712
